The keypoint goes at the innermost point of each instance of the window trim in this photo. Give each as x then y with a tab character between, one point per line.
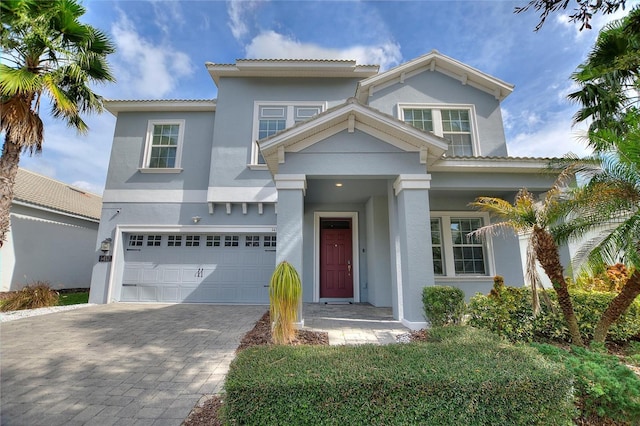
146	158
289	122
447	245
436	115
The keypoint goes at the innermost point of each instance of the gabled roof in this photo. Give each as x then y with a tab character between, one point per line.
41	191
350	116
115	106
434	61
290	68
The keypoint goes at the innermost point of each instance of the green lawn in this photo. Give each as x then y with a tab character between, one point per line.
73	298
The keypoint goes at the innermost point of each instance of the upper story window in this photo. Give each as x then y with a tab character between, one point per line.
452	122
163	150
270	118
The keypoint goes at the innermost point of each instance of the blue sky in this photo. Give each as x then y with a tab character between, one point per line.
163	45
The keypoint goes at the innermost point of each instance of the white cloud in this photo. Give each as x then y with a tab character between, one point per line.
272	45
550	139
239	11
168	15
81	160
142	68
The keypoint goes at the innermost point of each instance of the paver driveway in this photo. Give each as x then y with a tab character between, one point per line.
117	364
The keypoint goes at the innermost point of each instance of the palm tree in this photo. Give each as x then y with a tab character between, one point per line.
608	79
610	202
527	216
46	51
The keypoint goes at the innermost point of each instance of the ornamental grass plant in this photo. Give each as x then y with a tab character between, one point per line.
285	293
36	295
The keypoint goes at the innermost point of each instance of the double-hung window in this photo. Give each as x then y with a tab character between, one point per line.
273	117
455	251
452	122
163	149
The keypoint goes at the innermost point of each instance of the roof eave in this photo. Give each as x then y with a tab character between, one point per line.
290	68
117	106
435	61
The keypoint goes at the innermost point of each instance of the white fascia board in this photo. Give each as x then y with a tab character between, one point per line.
364	115
116	106
234	194
154	196
59	212
490	165
435	61
53	222
201	229
290	68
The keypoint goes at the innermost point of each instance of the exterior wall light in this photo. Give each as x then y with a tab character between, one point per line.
338	184
196	219
105	245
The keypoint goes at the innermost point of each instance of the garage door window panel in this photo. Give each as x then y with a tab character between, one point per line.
174	241
154	240
135	240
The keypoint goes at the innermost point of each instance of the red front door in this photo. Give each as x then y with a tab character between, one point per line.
336	263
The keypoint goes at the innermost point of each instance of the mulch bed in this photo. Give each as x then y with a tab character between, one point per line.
206	413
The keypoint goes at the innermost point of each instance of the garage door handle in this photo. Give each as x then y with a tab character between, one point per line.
133	249
266	286
270	250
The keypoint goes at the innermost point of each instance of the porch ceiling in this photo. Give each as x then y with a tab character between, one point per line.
352	190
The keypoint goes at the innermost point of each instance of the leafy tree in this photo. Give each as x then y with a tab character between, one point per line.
609	81
582	14
610	203
46	51
527	216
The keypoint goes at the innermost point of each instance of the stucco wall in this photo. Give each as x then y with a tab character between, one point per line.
234	120
128	150
45	246
435	88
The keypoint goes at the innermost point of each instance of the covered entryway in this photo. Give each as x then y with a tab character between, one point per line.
232	268
336	263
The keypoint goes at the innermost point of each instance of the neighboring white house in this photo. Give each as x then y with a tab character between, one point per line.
358	178
53	233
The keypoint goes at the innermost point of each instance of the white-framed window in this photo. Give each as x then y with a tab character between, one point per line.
192	241
455	252
135	240
154	240
454	122
213	241
163	149
270	118
174	240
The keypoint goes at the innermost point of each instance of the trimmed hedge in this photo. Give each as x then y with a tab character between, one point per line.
443	305
507	311
468	377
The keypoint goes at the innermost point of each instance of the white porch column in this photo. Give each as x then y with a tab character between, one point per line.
414	238
289	221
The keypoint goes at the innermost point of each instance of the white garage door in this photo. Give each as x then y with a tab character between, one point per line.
198	268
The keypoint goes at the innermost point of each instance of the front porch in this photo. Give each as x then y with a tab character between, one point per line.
353	324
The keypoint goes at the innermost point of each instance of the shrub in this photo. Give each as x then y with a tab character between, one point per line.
36	295
443	305
470	377
605	388
285	291
508	313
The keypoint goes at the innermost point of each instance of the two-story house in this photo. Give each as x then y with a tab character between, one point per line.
360	179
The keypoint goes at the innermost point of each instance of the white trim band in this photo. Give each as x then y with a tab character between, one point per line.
154	196
411	182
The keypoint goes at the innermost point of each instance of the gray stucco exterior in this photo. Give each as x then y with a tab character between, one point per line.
355	165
